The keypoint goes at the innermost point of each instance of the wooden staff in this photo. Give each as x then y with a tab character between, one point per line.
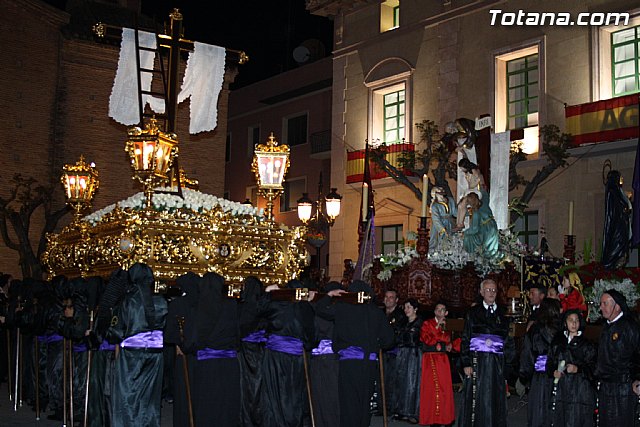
37	349
185	370
64	382
86	390
71	383
474	382
9	365
385	421
17	366
21	347
306	376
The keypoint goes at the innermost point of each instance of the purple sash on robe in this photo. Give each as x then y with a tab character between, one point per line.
541	363
210	353
105	346
79	348
324	347
150	339
284	344
49	338
487	343
355	353
256	337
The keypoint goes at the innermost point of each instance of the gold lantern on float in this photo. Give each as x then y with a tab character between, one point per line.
80	183
152	153
270	164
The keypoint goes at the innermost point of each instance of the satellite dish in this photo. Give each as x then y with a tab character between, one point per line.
309	50
301	54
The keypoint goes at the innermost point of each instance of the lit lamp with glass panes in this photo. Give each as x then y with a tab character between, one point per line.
270	164
318	223
152	153
80	183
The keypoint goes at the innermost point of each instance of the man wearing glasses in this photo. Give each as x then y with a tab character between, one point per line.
487	355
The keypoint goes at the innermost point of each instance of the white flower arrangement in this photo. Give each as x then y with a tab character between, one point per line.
450	255
626	287
193	200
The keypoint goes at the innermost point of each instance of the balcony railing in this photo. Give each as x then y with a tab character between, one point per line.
321	142
355	162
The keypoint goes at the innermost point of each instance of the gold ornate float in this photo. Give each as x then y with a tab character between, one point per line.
174	231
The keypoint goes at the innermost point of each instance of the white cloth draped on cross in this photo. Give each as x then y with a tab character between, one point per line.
202	82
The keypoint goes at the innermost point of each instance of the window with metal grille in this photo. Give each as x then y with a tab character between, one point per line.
390	238
394	110
293	190
297	130
625	61
526	228
522	92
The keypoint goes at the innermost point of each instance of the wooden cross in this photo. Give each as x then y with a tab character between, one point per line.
174	42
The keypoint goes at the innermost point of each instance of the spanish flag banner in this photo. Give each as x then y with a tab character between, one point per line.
603	121
355	162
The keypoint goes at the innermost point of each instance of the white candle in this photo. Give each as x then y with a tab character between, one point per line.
365	200
425	192
571	218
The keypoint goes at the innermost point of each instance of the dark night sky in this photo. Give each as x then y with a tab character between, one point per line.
268	31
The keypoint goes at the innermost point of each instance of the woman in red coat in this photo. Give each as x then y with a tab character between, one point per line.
436	390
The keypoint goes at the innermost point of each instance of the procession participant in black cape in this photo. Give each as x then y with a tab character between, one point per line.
73	325
618	362
571	361
216	377
253	337
290	329
50	343
408	364
324	370
533	362
359	332
136	327
103	358
22	320
397	319
487	353
537	293
179	337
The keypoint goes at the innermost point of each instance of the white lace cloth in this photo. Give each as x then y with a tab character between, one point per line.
124	100
499	194
202	82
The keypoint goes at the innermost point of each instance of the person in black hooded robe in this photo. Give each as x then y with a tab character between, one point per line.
252	339
618	368
533	362
103	357
487	354
617	223
290	330
574	399
73	325
360	331
179	336
216	382
323	370
137	326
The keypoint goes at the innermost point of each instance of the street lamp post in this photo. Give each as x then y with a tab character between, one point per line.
80	183
327	209
270	164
